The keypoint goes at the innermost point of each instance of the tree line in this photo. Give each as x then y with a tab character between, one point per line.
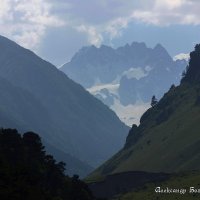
28	172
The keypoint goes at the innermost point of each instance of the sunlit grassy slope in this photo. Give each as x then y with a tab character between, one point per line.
168	137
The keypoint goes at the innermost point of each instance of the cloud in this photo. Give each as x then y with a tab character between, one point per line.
26	21
110	18
96	33
114	28
168	4
4	11
94	36
168	12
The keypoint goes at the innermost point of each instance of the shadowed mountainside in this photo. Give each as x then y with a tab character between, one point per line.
37	96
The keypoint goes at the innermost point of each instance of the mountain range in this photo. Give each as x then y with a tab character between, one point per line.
36	96
125	78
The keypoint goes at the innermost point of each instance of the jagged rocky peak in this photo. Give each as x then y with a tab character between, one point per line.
133	47
105	47
91	54
159	49
138	45
93	48
84	50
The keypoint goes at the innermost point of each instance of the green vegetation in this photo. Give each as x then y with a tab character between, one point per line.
167	139
183	181
27	172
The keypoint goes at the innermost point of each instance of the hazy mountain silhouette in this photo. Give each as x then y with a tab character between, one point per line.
36	96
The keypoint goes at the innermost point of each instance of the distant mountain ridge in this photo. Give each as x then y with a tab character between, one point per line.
104	64
42	99
135	71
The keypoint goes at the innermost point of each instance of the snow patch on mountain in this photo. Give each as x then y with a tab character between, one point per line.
182	56
112	88
130	114
137	73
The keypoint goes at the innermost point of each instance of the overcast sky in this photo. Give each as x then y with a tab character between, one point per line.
56	29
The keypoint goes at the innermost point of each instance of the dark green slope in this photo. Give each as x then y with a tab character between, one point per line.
168	138
66	115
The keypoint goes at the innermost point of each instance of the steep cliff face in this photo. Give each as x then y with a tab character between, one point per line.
167	139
